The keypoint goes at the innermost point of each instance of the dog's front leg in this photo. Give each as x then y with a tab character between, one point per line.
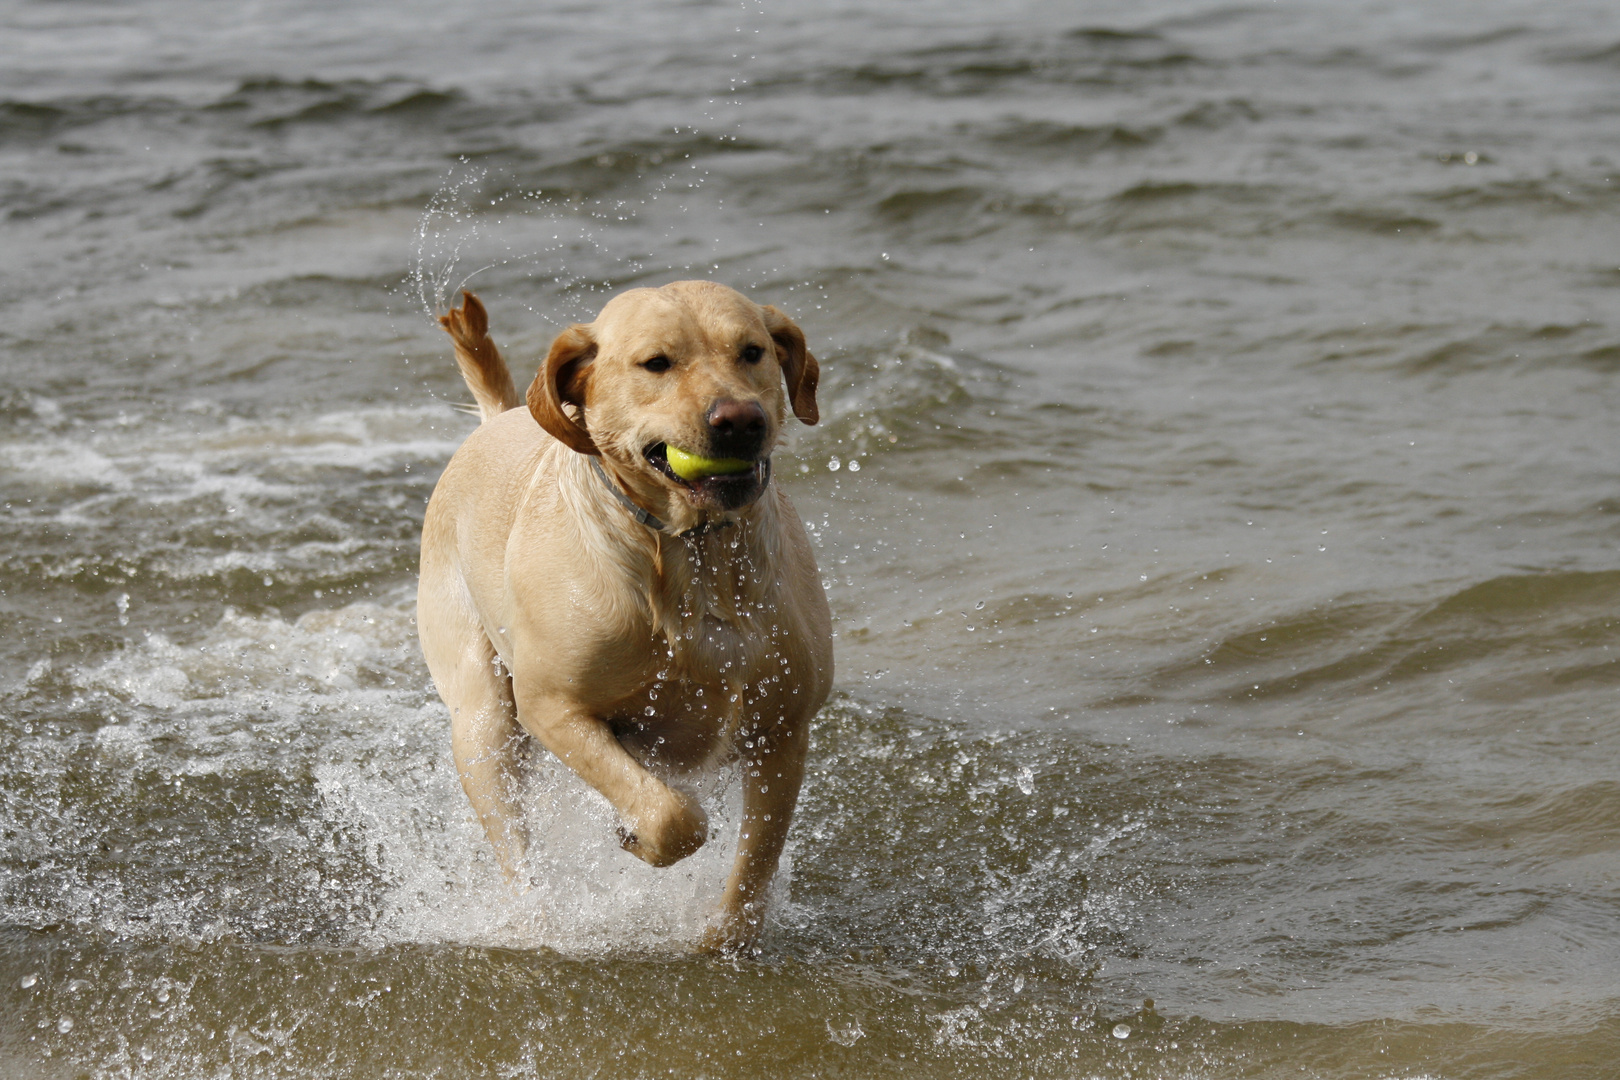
661	824
773	770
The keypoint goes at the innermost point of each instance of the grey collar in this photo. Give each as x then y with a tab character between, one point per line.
653	523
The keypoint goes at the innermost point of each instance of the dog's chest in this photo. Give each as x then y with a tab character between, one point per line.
722	664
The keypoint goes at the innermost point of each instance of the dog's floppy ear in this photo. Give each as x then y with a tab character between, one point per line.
562	381
798	366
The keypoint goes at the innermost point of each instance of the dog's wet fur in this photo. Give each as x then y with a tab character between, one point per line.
636	654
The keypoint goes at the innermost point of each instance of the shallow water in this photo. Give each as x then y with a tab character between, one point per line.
1218	495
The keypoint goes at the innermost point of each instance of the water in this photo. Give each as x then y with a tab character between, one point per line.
1218	497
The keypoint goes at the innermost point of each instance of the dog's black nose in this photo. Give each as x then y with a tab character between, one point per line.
737	428
737	418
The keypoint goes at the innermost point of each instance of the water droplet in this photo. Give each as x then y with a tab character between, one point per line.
648	711
163	995
833	464
854	466
846	1036
1122	1031
979	606
28	980
65	1024
1026	780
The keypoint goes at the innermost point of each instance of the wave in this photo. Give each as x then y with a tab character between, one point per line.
1086	56
1560	195
1509	638
264	102
28	121
1072	139
1526	348
272	103
205	505
1601	55
909	395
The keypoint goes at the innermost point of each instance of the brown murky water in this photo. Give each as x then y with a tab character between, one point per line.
1219	498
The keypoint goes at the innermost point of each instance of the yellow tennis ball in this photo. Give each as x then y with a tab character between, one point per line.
694	467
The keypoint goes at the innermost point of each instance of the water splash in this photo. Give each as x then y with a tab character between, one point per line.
291	779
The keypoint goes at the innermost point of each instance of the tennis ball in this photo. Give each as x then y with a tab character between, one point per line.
694	467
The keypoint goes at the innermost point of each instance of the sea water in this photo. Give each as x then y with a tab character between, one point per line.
1218	497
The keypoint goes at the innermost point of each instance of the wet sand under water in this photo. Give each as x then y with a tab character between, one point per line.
1218	495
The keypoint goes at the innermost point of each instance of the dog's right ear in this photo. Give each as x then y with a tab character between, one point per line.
799	368
562	380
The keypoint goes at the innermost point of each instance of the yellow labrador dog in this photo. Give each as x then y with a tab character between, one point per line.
611	571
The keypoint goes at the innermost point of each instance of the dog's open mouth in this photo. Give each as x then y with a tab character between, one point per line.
727	483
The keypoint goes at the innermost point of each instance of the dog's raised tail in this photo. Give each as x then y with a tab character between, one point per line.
478	358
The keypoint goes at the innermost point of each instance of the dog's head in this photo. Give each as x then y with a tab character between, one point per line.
693	366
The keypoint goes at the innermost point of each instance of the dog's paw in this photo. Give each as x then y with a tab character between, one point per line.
668	833
732	933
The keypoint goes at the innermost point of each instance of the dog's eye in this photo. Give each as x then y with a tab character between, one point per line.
752	353
657	363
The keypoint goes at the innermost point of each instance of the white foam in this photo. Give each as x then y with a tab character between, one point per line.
62	461
342	694
170	459
578	891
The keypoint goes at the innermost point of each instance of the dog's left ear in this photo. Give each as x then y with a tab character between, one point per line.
562	381
798	366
